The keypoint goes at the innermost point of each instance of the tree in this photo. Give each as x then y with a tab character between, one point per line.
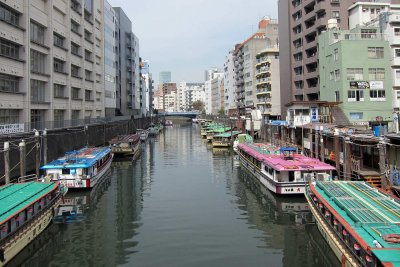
221	112
198	105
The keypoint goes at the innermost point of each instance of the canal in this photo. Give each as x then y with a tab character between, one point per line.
180	204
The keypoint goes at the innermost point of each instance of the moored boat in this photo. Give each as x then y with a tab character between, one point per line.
240	139
281	170
216	130
82	168
168	123
359	222
26	210
126	145
153	130
224	139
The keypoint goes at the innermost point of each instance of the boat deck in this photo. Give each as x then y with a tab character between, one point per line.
15	197
370	213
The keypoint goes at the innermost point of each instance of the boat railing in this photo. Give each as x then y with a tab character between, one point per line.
23	227
27	178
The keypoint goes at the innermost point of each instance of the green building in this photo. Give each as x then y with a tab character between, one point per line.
355	71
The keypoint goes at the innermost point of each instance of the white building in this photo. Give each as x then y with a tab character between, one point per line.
217	96
189	93
229	85
207	94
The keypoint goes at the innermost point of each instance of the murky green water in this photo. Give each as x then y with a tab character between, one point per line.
181	204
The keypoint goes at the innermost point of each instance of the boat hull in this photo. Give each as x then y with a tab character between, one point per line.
28	234
340	251
280	188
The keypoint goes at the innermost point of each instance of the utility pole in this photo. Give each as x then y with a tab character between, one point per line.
316	137
382	164
45	146
22	158
321	140
37	154
7	161
337	151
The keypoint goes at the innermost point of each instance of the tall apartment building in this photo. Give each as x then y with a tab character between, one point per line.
244	62
268	83
146	92
164	77
110	59
301	22
229	85
51	66
128	72
217	94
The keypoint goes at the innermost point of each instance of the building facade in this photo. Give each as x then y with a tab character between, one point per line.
128	72
110	59
51	68
229	85
268	83
164	77
362	86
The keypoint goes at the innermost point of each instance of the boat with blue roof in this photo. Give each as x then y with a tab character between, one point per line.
81	168
26	209
360	223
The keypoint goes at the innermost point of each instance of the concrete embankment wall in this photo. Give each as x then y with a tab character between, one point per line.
60	141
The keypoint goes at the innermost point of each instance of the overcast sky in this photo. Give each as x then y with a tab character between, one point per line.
187	37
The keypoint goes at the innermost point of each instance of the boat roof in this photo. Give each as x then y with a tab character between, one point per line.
270	156
82	158
371	214
16	197
219	129
227	134
125	138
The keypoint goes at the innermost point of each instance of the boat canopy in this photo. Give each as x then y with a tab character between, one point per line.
227	134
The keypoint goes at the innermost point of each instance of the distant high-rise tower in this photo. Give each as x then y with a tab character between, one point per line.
165	77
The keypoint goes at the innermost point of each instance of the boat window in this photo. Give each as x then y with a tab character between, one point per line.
65	171
291	176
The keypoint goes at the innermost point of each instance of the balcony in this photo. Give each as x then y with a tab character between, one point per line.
263	91
263	80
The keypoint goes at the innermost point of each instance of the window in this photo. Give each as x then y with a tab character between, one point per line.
88	95
58	40
75	49
377	95
37	33
88	36
75	71
59	117
397	52
38	62
75	27
337	75
356	115
335	14
298	84
376	73
75	93
37	116
9	83
355	74
331	75
9	116
37	91
88	75
336	54
75	114
368	33
75	5
337	96
355	95
59	90
375	52
398	94
8	15
396	31
9	49
88	56
58	65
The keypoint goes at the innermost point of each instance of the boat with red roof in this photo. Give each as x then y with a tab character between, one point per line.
282	170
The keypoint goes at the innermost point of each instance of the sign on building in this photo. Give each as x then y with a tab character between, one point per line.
376	84
359	85
314	114
11	128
